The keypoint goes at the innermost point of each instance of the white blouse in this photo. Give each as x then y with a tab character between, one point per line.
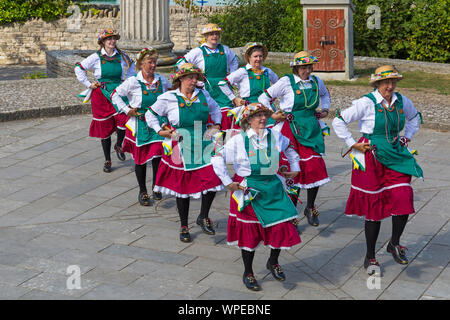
233	152
282	88
195	56
167	105
241	80
92	63
363	110
131	89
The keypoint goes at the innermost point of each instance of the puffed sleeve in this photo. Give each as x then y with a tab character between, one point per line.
123	90
324	95
355	113
232	79
272	76
214	109
219	161
81	67
233	62
274	91
159	108
412	118
290	153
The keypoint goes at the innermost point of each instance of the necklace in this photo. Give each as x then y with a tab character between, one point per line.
386	123
149	86
306	99
260	76
188	101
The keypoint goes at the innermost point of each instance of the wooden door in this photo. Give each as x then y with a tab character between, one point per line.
326	38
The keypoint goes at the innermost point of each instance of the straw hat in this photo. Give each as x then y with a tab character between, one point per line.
384	72
303	58
108	32
251	45
211	27
185	69
143	52
249	110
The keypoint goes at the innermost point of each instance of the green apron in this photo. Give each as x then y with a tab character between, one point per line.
258	83
304	126
192	126
216	68
273	205
111	69
144	134
385	138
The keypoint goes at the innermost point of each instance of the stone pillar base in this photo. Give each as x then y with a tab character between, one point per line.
164	49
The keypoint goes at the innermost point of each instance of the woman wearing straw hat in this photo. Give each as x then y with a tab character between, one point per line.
260	209
301	94
142	142
383	165
252	79
185	170
110	66
216	60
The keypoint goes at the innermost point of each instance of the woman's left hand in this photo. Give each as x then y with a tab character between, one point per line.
290	175
322	114
211	131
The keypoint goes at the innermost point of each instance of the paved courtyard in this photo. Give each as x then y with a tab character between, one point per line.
58	209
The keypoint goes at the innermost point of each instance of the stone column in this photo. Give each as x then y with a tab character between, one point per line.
145	23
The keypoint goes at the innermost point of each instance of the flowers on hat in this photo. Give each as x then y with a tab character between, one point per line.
385	72
251	45
303	59
186	69
108	32
244	112
212	27
145	51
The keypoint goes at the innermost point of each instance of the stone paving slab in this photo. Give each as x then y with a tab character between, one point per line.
59	209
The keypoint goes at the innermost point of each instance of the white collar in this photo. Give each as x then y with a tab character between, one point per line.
379	98
179	93
140	77
103	52
208	48
297	79
249	66
252	134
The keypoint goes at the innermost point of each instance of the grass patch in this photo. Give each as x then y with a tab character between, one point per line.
35	75
437	83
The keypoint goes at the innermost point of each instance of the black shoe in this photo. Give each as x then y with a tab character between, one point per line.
250	282
107	166
206	225
119	152
144	199
372	266
312	215
398	252
185	236
157	195
296	224
276	271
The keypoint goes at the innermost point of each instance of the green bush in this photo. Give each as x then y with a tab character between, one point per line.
23	10
409	29
276	23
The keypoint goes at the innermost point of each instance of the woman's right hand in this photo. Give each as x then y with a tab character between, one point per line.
133	112
279	116
234	186
94	85
362	147
167	133
238	102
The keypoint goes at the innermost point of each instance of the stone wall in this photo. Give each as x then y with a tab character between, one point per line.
26	43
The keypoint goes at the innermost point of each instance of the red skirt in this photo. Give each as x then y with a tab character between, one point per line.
379	192
313	171
173	179
144	153
246	232
105	119
227	122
